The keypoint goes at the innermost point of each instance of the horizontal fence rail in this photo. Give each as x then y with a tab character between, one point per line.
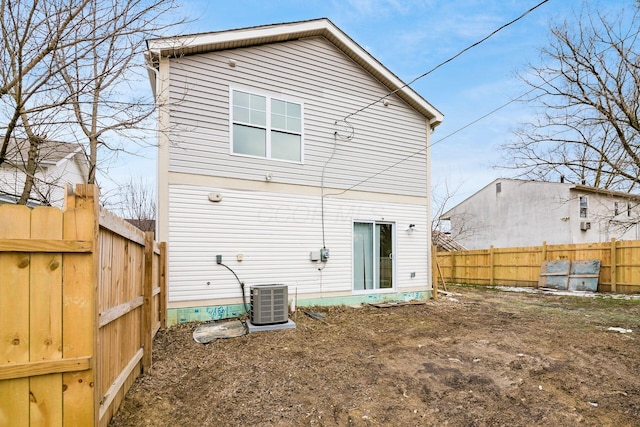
619	264
82	293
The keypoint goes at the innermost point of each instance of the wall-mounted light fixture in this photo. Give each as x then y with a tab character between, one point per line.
232	63
411	228
268	177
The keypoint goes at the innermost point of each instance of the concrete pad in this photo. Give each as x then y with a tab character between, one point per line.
261	328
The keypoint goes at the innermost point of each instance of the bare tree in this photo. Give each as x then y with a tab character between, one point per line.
447	229
69	70
101	82
137	203
588	94
25	47
31	32
441	197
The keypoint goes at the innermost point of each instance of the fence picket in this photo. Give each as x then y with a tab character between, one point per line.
619	271
46	318
14	315
59	364
79	311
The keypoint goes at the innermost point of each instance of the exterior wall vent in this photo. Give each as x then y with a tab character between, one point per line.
269	304
585	225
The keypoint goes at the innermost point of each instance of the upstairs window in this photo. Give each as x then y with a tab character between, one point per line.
584	206
264	126
616	209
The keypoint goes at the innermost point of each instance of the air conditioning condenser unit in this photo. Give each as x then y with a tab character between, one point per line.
585	225
269	304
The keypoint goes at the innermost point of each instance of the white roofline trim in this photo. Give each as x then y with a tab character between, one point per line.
69	156
614	193
207	42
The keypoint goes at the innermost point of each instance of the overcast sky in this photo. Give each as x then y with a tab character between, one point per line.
413	36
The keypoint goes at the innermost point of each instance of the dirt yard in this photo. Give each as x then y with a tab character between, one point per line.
480	357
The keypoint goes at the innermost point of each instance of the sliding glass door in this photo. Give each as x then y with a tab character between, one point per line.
373	263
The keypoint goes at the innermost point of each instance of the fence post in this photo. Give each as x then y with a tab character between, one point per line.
543	256
434	272
147	292
614	279
80	308
491	262
453	266
163	284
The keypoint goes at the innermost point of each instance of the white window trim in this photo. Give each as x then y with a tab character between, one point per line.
393	289
269	96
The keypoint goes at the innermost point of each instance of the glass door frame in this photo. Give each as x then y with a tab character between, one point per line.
375	241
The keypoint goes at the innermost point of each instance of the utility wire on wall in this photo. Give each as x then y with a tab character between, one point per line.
347	130
345	133
422	150
484	116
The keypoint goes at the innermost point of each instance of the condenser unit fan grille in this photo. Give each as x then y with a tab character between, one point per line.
269	304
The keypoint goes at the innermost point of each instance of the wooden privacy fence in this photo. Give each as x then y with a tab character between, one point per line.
619	268
82	293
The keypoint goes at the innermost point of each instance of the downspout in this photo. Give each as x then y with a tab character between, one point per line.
162	166
430	127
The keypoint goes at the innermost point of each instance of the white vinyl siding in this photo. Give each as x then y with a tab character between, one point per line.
274	233
330	85
50	180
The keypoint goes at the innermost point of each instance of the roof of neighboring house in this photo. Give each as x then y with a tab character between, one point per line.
620	194
276	33
50	152
569	186
11	199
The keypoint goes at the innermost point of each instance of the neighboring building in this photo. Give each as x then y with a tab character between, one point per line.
59	163
258	165
512	213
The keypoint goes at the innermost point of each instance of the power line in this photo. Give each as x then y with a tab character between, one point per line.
422	150
484	116
463	127
449	60
426	74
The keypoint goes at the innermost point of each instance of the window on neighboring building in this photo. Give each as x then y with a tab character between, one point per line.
616	209
628	208
264	126
584	205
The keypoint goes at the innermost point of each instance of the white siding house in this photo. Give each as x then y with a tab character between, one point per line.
513	213
276	142
59	163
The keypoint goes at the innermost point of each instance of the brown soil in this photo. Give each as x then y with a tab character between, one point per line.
478	358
